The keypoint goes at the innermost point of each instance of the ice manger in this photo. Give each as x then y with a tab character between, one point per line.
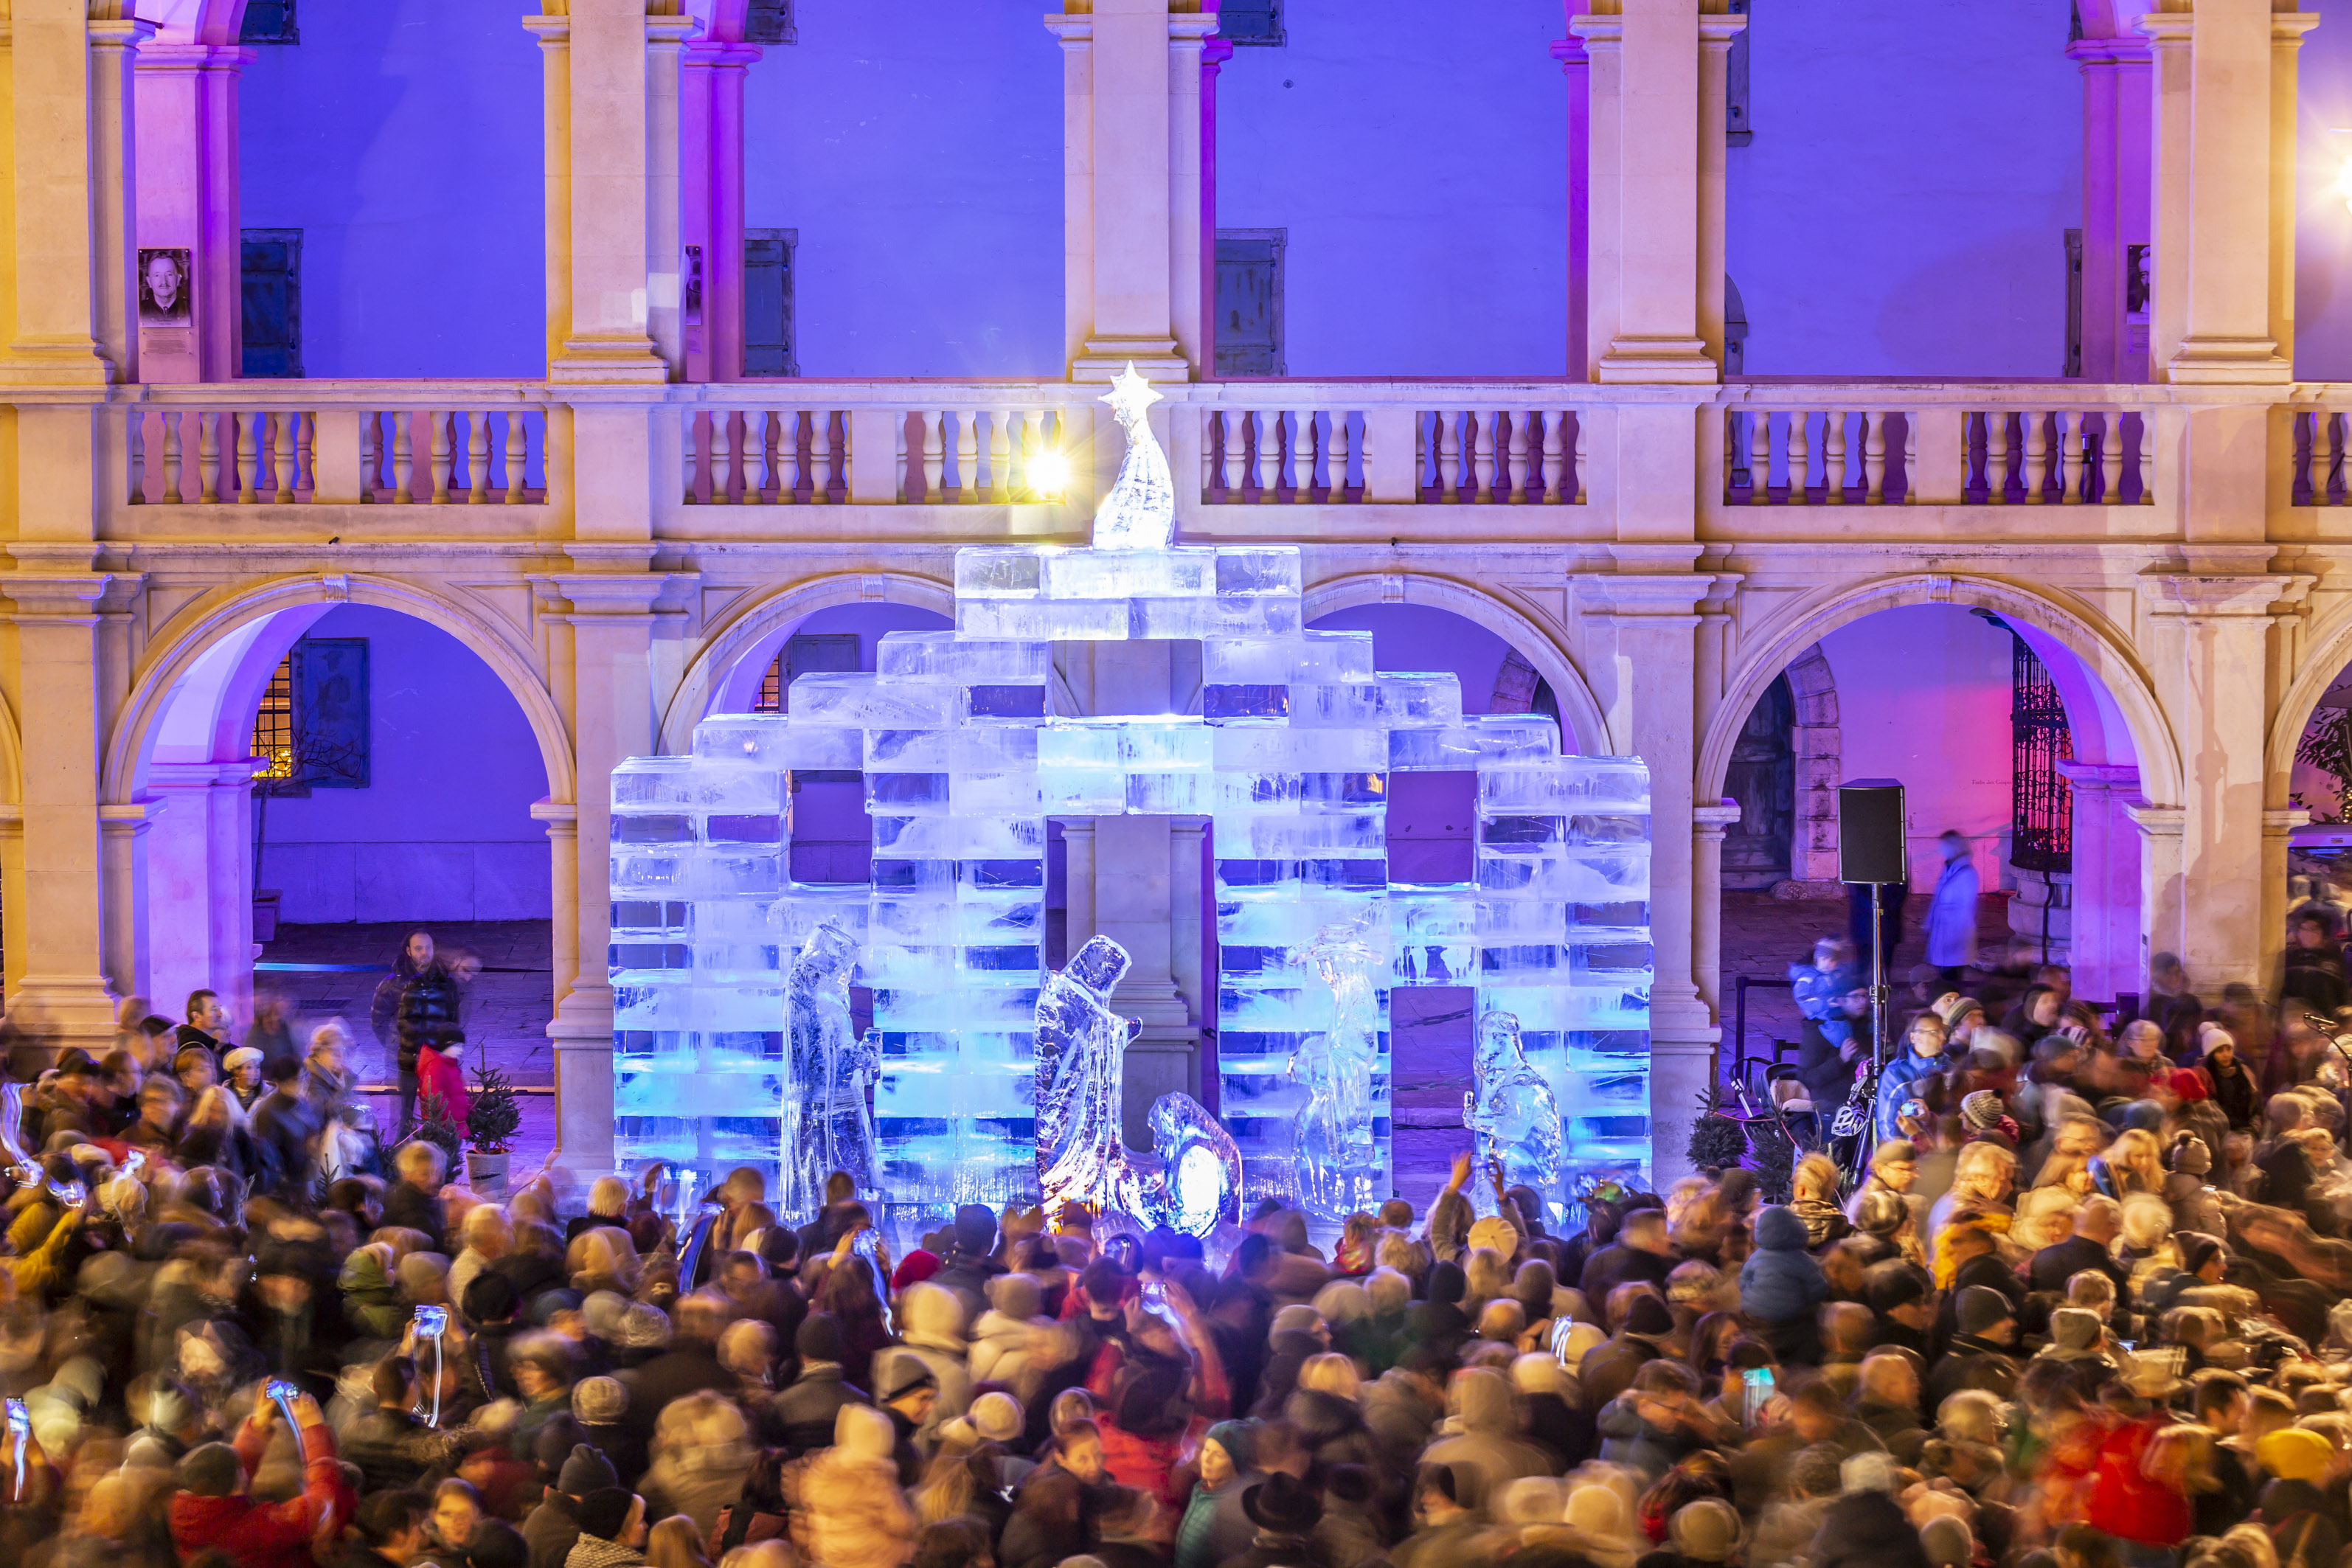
964	760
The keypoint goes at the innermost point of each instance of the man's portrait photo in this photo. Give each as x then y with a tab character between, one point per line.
164	287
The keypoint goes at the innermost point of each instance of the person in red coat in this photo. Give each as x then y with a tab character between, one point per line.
212	1512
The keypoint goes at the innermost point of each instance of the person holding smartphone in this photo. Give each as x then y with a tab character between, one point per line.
213	1511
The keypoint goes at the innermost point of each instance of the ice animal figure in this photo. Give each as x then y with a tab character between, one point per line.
1140	513
1192	1177
1511	1111
1081	1054
827	1126
1337	1158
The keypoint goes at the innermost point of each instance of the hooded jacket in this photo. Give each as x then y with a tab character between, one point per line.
1781	1281
1489	1444
846	1509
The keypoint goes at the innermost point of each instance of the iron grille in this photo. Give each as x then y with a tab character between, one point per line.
2042	803
772	688
273	730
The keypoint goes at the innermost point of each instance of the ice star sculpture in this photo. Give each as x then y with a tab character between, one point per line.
1140	513
1512	1114
1337	1157
1191	1180
826	1125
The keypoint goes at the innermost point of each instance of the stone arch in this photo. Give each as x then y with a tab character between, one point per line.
1584	728
2046	623
2329	653
214	621
766	622
1819	746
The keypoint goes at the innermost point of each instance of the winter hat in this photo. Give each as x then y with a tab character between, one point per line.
998	1417
1648	1317
1447	1283
1815	1472
240	1057
1282	1505
1579	1341
2074	1331
1016	1295
975	1230
1982	1111
1981	1307
599	1400
1295	1318
818	1338
862	1432
1537	1372
421	1275
603	1311
644	1328
2292	1454
1596	1511
1533	1499
2188	1156
586	1470
1236	1439
1872	1471
1952	1009
604	1511
210	1471
1496	1232
1707	1530
1948	1543
2197	1249
908	1374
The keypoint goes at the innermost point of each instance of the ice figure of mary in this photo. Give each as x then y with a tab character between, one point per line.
1513	1114
1337	1159
826	1126
1081	1048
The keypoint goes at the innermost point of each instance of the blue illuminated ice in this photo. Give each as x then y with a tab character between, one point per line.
1511	1111
967	748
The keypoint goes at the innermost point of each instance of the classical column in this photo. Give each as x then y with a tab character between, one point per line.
2114	203
553	32
2104	949
55	683
610	619
1708	821
1577	66
664	253
710	132
123	863
2287	42
1646	625
2168	123
1131	186
2162	901
619	105
2278	824
114	190
52	256
187	91
2218	697
1214	53
1651	140
1715	34
563	820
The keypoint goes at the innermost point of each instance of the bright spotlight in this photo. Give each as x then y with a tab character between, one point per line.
1049	475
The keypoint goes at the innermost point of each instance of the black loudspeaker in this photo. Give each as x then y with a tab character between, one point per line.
1870	831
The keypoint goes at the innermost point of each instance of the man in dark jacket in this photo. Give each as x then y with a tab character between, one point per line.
1285	1513
428	1020
2096	1225
802	1414
970	1263
551	1527
395	1530
1641	1255
207	1025
392	1448
688	1366
1978	1264
285	1126
1867	1528
1979	1355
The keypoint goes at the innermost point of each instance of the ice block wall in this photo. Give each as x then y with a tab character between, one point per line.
1288	759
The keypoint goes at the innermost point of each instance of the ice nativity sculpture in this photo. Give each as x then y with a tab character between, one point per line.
732	1042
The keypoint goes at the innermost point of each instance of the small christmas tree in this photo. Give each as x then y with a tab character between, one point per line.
434	1125
495	1115
1717	1143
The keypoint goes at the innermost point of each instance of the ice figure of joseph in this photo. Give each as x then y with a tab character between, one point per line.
1513	1115
1081	1047
1337	1158
826	1126
1139	512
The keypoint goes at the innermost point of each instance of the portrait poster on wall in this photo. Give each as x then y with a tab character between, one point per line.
165	288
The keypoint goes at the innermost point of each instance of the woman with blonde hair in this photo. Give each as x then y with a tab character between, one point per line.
2136	1163
2180	1459
702	1450
1816	1183
604	1259
672	1543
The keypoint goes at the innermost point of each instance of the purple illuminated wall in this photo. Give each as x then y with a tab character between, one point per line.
443	831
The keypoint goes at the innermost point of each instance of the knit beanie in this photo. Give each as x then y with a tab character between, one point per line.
600	1400
1982	1111
1981	1307
585	1471
1955	1008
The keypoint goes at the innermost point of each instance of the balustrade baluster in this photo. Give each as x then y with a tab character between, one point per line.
403	456
1760	456
248	457
2138	468
837	447
2037	458
1449	457
1000	458
208	457
1526	455
1015	480
134	426
1478	446
2327	481
282	452
1996	457
967	455
517	435
934	455
1303	435
1911	456
478	457
1554	457
1583	458
1347	447
2070	458
171	418
1874	456
306	456
1232	451
440	422
1033	451
1833	457
720	457
2111	457
1801	459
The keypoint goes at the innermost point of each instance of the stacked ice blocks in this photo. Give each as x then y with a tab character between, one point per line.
1288	757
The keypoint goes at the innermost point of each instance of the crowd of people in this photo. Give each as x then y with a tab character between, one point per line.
2086	1309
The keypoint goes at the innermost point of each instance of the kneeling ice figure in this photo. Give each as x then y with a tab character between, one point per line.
826	1125
1192	1177
1513	1115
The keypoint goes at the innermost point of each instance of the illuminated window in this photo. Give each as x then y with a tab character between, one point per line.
273	725
771	688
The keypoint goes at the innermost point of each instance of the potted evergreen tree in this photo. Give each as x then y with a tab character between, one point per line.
491	1122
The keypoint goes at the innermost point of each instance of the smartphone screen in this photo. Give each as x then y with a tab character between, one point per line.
1755	1389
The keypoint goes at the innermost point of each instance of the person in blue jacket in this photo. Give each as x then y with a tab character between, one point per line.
1922	1057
